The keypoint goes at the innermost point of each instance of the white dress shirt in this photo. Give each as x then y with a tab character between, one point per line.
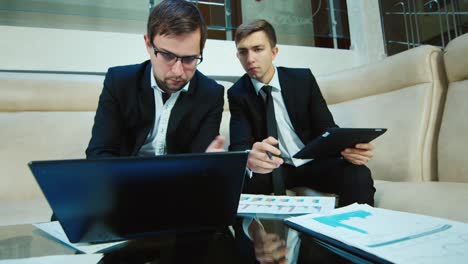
289	142
155	143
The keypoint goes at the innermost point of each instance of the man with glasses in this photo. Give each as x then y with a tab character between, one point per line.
163	105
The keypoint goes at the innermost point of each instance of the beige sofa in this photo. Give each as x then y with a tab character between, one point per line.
419	164
42	116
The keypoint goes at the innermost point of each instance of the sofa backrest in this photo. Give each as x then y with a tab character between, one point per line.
42	116
224	129
453	138
402	93
48	116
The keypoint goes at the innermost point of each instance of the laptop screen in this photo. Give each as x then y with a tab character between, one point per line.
123	198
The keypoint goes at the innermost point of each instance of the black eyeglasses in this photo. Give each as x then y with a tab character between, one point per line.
170	58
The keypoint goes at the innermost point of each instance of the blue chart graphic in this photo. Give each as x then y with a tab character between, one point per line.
427	233
336	220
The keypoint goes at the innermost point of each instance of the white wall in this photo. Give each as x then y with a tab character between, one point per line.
366	31
24	48
292	20
27	48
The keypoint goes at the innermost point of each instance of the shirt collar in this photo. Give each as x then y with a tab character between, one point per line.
155	86
273	83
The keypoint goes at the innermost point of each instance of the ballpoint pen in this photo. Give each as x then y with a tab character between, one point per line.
270	156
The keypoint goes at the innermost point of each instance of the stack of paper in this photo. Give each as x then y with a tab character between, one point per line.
69	259
55	230
388	235
268	206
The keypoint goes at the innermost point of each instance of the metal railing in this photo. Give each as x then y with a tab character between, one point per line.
448	14
334	19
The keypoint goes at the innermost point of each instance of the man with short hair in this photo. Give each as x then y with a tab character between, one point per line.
163	105
301	114
273	106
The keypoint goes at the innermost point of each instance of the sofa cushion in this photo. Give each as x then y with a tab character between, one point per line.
28	136
401	93
24	211
224	128
49	92
45	117
439	199
398	152
453	138
455	56
226	86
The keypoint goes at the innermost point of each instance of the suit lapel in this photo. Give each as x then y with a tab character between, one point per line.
146	107
289	92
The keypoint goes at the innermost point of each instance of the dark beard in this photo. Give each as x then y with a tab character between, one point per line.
164	87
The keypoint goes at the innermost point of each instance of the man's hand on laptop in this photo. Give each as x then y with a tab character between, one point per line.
217	145
359	155
264	156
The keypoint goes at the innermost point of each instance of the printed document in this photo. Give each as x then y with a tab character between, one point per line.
59	259
55	229
282	206
391	235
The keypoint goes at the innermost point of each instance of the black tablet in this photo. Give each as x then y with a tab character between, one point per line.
334	140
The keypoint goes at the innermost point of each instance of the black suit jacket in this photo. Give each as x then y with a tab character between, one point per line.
126	113
305	105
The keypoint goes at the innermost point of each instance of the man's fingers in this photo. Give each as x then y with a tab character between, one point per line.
365	146
259	160
268	145
217	145
280	252
265	157
218	141
275	254
262	165
366	153
271	140
283	261
270	248
355	158
270	245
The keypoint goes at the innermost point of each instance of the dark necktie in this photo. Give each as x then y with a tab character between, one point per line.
272	129
165	96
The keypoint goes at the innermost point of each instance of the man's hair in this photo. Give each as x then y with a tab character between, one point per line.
176	17
246	29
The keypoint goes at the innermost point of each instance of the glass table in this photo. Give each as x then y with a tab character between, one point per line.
25	241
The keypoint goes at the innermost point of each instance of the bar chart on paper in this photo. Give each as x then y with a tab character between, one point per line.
395	236
268	206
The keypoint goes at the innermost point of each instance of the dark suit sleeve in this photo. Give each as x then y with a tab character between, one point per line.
210	124
240	128
108	124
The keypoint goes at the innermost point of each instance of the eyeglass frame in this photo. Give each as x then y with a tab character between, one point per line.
198	58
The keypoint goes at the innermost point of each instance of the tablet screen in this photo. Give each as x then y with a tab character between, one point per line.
330	144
